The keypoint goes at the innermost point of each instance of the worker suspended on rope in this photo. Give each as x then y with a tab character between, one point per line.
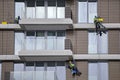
74	69
99	27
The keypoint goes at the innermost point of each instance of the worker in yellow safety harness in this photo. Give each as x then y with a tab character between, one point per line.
74	69
99	27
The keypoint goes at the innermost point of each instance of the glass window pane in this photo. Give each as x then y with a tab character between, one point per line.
103	71
92	43
29	66
19	42
30	9
92	10
51	33
20	10
60	43
30	3
19	67
40	2
60	12
60	33
51	2
30	33
40	66
40	12
40	40
30	40
92	0
51	13
60	68
92	71
51	41
30	12
82	0
28	75
82	12
51	66
103	43
60	3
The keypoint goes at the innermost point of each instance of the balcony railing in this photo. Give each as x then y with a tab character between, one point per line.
33	75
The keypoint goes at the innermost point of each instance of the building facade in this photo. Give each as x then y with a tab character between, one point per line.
49	33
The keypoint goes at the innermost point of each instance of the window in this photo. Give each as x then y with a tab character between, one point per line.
60	8
49	70
17	68
19	42
30	40
51	40
60	68
40	9
39	40
30	9
29	66
97	44
60	40
98	71
87	10
20	9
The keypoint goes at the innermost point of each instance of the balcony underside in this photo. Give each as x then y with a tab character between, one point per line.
46	24
45	55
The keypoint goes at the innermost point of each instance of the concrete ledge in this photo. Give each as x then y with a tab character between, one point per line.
45	55
10	26
9	57
92	26
46	24
97	57
46	21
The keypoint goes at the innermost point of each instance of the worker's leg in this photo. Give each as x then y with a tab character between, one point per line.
78	73
103	28
73	72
